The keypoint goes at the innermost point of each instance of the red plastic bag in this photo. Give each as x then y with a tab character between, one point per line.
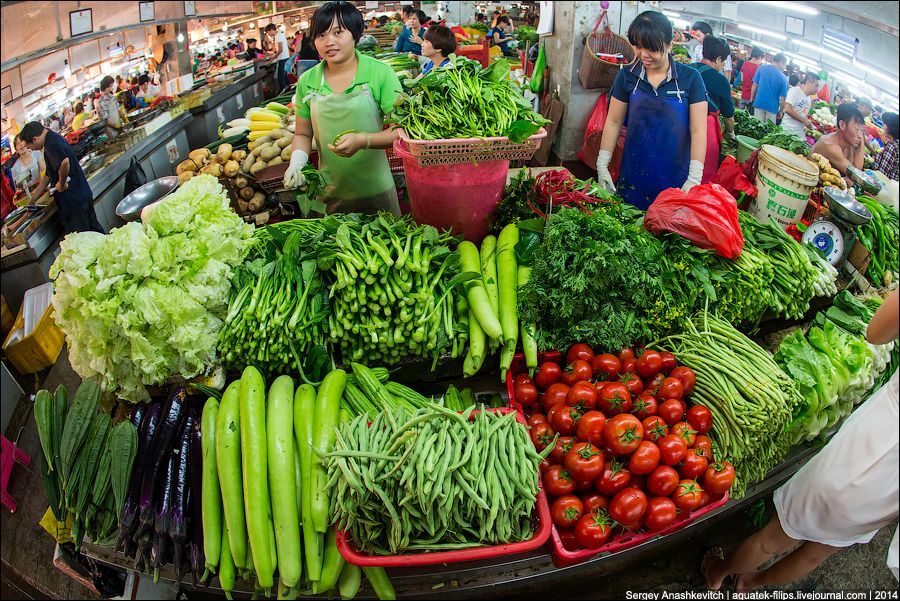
593	132
707	216
731	177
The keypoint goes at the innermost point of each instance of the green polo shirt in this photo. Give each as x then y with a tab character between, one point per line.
383	83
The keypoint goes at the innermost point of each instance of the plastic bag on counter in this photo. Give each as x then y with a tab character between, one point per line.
135	178
707	216
731	177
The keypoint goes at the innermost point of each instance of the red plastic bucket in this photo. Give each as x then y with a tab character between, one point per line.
459	197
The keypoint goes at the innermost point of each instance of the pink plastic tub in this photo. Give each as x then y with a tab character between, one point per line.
459	197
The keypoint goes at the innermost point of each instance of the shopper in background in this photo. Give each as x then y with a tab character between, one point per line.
845	146
886	160
68	116
662	100
439	43
411	37
252	50
80	116
108	108
499	35
347	91
232	51
70	189
281	52
865	107
745	76
797	104
769	89
699	31
718	99
295	41
841	497
29	168
147	91
793	81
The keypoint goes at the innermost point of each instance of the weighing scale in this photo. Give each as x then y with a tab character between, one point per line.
835	233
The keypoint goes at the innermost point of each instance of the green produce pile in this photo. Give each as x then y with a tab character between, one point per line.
401	62
432	480
833	365
746	124
752	400
466	101
526	36
881	237
478	26
86	462
145	302
787	141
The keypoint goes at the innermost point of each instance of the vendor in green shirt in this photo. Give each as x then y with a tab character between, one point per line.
718	94
342	102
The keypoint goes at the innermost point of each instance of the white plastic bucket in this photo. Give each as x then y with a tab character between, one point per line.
785	181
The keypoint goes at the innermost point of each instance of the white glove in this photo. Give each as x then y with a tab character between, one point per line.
695	174
603	176
293	177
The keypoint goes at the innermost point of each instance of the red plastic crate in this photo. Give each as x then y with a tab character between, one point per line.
541	536
564	557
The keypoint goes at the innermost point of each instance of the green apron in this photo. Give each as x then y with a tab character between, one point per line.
362	183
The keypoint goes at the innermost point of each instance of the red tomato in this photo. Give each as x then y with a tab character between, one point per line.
577	371
628	506
623	433
649	364
635	527
704	499
700	418
593	530
683	429
645	406
526	394
565	420
567	536
668	361
653	384
606	367
671	411
671	449
581	486
613	479
545	464
687	495
582	395
548	374
555	395
660	514
662	481
654	428
558	482
563	445
590	428
594	501
694	465
719	477
671	388
537	418
541	436
644	459
633	383
625	354
687	377
566	511
522	378
614	399
629	366
579	352
584	461
703	442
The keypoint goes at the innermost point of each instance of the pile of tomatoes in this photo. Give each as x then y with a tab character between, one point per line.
628	452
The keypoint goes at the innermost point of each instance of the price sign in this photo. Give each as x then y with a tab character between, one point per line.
220	113
240	101
172	150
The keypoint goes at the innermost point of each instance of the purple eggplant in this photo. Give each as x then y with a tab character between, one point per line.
162	507
169	423
178	513
138	413
146	433
198	560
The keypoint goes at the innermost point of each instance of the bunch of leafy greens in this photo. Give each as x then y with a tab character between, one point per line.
514	206
595	279
144	303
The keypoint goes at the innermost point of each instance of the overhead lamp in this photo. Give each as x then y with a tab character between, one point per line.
180	38
671	13
876	73
761	31
67	71
767	46
793	6
823	51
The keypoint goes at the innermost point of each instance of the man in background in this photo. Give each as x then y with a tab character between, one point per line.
797	104
769	89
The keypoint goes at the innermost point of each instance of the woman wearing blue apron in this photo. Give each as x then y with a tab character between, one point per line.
663	105
342	102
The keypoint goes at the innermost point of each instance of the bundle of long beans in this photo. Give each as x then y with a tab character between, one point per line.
433	480
752	400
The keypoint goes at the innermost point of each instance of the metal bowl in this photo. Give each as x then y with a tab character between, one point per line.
131	206
864	181
845	207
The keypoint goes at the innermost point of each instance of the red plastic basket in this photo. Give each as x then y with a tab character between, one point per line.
541	536
467	150
565	557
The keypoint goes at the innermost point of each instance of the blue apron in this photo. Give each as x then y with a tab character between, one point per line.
657	150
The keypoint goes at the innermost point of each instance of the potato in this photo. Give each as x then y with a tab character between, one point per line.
257	201
257	166
248	162
198	161
238	155
246	193
213	169
231	168
202	153
243	205
286	153
185	176
275	134
224	152
291	128
276	161
259	149
241	182
284	142
269	152
186	165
